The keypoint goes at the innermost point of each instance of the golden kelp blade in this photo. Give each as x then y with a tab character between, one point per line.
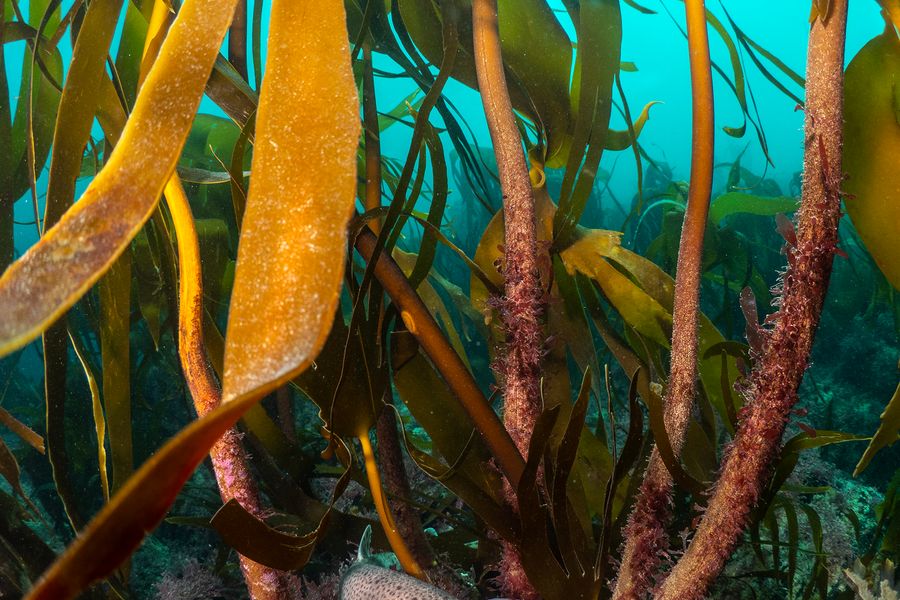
330	136
72	256
293	239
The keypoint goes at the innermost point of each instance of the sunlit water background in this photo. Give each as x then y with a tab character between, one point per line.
855	360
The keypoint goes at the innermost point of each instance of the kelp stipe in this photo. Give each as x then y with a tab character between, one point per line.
785	352
520	306
646	537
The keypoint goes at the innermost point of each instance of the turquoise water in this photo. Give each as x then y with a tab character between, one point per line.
854	364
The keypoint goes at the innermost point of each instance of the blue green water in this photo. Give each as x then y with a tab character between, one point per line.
854	368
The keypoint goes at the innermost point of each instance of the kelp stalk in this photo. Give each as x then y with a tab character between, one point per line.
406	516
429	335
521	306
390	457
646	537
785	353
395	539
228	457
372	136
237	40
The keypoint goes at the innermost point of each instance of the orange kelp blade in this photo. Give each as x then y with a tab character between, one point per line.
136	509
293	236
317	127
74	254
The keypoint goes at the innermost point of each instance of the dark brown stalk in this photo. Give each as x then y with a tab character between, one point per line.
237	39
396	483
454	372
785	354
372	136
646	537
521	306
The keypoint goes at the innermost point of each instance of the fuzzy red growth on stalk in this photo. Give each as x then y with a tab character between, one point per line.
646	540
521	307
776	377
755	334
646	535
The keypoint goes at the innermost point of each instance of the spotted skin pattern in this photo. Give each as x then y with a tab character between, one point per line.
370	582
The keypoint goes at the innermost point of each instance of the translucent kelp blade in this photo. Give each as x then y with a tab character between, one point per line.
25	433
96	409
732	203
145	498
76	252
599	27
871	147
293	239
78	103
617	140
660	287
886	434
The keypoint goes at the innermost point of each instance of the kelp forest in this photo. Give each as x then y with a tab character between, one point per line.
436	299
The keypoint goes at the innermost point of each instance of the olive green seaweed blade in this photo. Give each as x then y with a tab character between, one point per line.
51	276
871	148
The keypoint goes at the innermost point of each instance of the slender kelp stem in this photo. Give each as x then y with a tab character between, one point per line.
454	372
390	455
372	136
406	516
398	544
785	353
521	306
646	538
237	39
228	457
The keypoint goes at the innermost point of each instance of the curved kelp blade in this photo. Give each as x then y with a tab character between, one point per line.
871	147
733	203
644	299
75	253
293	239
139	506
886	435
537	55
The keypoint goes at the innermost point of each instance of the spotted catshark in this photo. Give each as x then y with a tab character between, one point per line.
370	578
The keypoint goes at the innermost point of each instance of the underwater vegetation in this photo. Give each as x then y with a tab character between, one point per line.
222	236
